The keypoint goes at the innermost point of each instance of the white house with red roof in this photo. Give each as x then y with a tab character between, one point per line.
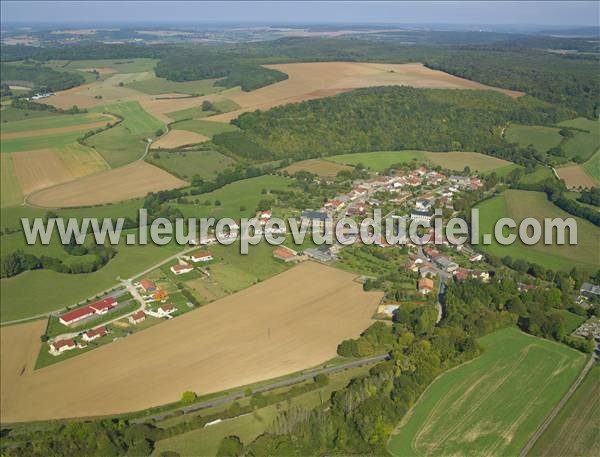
137	318
181	268
60	346
99	307
201	257
103	306
162	311
95	333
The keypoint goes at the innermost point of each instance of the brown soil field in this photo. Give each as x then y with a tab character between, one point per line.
177	138
321	79
57	130
131	181
317	166
290	322
575	176
19	346
43	168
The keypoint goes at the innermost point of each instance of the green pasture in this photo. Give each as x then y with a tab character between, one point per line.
186	164
206	128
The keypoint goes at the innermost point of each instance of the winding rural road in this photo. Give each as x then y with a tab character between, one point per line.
273	385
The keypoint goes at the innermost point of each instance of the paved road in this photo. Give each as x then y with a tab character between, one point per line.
274	385
444	275
542	428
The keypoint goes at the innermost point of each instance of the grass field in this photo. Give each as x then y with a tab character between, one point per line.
156	86
186	164
522	204
206	128
583	144
491	405
457	161
592	166
321	167
58	140
574	431
541	138
205	441
540	173
238	199
11	114
196	112
263	339
51	122
10	191
40	291
126	142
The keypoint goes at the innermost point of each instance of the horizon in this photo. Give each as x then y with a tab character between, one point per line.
455	13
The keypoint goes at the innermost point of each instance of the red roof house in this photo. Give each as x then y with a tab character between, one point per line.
60	346
91	335
137	317
148	285
76	315
102	306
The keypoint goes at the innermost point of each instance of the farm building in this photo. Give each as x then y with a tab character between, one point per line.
181	269
284	254
60	346
425	286
147	285
76	315
96	333
137	317
102	306
201	257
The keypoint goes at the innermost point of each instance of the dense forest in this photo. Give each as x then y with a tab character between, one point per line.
391	118
42	77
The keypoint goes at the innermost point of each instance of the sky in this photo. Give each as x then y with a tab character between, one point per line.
560	13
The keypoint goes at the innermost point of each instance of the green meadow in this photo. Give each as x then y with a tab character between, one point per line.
136	65
222	106
157	86
206	128
518	205
51	122
186	164
57	140
491	405
541	138
592	166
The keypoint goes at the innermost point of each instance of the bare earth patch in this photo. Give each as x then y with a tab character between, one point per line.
308	81
285	324
131	181
177	138
575	176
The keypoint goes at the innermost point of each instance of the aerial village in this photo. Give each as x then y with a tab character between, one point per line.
415	191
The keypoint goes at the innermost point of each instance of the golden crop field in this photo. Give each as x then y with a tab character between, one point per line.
285	324
131	181
177	138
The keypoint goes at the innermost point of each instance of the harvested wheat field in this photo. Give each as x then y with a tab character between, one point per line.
131	181
322	79
58	130
285	324
20	345
317	166
178	138
575	176
43	168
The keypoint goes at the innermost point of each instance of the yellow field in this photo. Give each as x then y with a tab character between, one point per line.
317	166
131	181
575	176
177	138
10	191
287	323
322	79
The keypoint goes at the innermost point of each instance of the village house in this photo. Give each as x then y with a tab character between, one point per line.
137	318
147	286
96	333
334	204
427	270
60	346
482	275
166	310
421	216
181	268
460	274
264	216
423	204
315	218
201	257
589	290
425	286
446	264
476	257
461	181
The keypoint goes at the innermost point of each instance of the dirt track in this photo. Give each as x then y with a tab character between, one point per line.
287	323
131	181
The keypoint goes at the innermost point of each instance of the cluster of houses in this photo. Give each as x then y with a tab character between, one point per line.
40	96
58	347
183	267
